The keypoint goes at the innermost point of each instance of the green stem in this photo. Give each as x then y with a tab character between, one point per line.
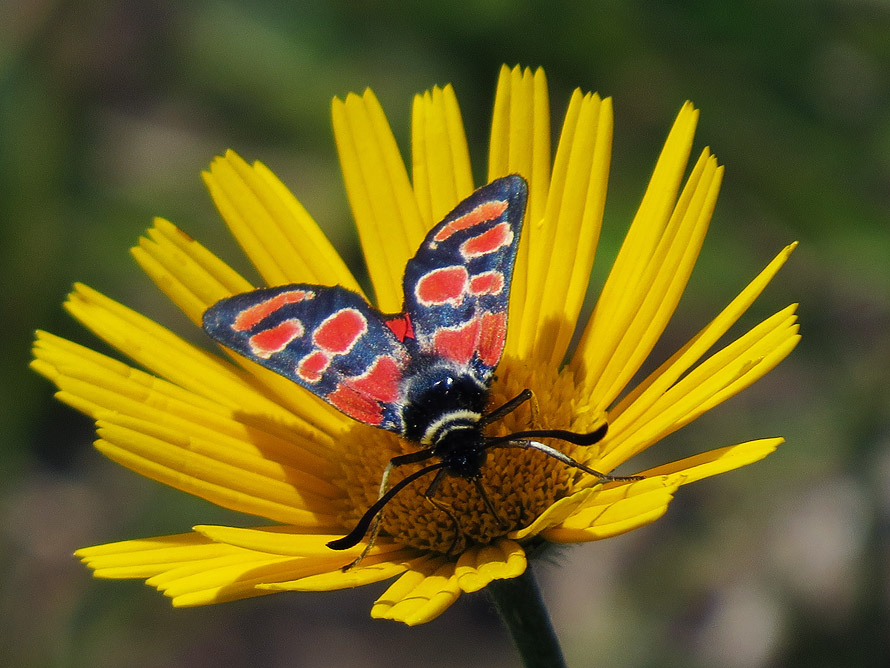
519	603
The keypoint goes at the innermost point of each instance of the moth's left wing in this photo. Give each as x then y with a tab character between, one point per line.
326	339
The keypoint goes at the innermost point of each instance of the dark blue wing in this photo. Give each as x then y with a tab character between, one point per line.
457	286
332	342
327	339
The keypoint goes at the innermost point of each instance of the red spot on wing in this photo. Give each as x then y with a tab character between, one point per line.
252	315
401	326
492	335
381	381
487	283
489	241
457	344
356	405
338	332
270	341
313	366
445	285
481	214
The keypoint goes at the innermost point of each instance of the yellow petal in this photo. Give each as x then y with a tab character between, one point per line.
248	573
758	360
383	204
570	228
368	571
520	134
669	280
627	506
623	291
605	516
252	485
441	160
722	375
520	144
282	240
312	410
629	327
229	578
105	388
420	595
481	564
555	514
190	275
158	349
169	356
718	461
291	541
647	392
146	557
195	279
189	568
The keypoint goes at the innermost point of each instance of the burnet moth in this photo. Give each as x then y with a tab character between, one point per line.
424	373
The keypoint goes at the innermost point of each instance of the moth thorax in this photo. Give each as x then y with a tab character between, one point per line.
461	449
439	398
459	422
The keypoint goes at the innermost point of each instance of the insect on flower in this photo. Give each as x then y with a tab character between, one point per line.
311	467
424	373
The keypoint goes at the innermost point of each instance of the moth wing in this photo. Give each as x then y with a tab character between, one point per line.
328	340
457	286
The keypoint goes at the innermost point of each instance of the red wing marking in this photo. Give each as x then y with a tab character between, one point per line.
254	314
270	341
338	332
492	335
457	344
381	381
356	405
481	214
313	366
445	285
487	283
488	242
401	326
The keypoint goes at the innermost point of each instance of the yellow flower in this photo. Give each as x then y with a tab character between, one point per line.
247	439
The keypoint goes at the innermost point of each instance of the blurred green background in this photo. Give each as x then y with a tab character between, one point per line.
108	112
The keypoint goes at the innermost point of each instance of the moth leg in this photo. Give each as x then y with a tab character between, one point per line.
536	410
399	460
429	495
481	489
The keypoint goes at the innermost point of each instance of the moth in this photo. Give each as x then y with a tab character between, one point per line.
424	373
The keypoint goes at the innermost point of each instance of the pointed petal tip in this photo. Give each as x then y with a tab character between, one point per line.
687	118
353	98
228	155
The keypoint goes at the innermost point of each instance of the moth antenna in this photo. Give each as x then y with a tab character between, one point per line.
507	408
562	457
561	434
410	458
361	528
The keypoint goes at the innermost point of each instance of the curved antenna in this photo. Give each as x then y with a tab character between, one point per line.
507	408
561	434
355	536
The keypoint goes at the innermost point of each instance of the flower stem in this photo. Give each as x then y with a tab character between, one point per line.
519	603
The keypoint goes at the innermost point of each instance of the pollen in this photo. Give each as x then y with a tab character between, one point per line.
520	484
